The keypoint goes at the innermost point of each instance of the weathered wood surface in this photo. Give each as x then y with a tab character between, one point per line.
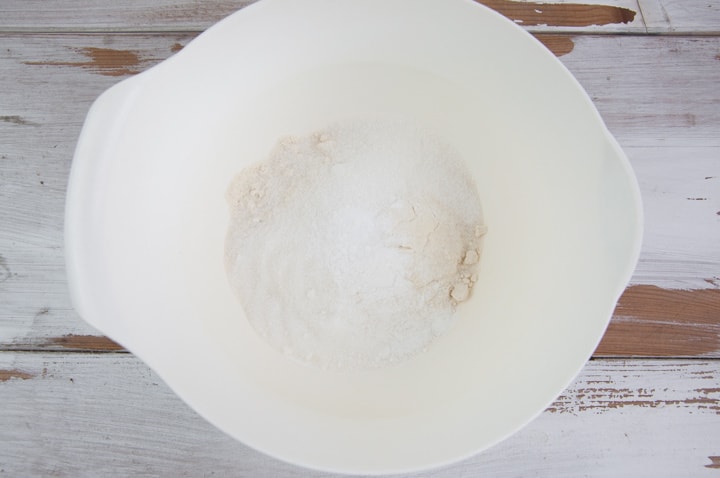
68	413
673	143
109	415
48	83
610	16
186	15
680	16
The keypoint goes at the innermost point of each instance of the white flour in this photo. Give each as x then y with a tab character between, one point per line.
350	248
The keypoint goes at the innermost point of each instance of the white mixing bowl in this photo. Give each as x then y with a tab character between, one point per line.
146	222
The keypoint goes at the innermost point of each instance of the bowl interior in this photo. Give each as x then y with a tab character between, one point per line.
559	199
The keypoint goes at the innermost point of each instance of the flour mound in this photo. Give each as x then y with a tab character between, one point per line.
351	247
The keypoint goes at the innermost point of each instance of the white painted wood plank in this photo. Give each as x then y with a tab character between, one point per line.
662	104
681	199
658	95
681	16
188	15
114	16
653	16
652	91
42	108
109	415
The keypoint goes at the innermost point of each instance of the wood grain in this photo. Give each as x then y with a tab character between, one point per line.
561	14
109	415
614	385
105	61
558	44
654	322
74	343
6	375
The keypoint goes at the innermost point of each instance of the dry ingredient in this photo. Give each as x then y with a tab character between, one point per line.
352	246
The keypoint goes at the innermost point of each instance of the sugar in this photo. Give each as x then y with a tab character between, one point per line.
351	247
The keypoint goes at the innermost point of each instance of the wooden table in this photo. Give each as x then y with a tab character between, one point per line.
73	403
